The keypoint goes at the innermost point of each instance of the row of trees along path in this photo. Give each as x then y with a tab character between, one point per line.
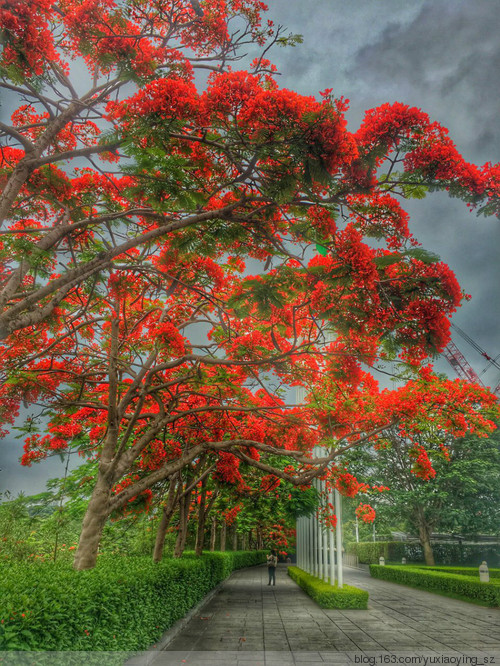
132	197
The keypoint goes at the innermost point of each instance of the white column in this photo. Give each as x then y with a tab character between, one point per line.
325	535
315	544
332	547
312	537
302	543
311	545
298	545
338	511
312	542
297	540
306	543
319	536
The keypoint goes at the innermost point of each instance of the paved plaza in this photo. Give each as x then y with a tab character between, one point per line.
247	622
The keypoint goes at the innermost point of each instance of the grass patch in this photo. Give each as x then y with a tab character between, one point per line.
326	595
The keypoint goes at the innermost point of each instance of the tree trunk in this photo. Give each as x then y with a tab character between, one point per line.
259	539
213	534
223	536
202	515
183	525
235	539
166	517
98	509
93	524
424	532
245	542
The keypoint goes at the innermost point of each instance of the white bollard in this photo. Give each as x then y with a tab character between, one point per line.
381	561
484	573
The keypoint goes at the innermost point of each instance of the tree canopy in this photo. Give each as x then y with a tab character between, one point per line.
134	196
435	483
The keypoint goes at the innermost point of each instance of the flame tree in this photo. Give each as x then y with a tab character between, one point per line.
128	210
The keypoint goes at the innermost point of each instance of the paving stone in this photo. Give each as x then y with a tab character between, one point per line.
248	622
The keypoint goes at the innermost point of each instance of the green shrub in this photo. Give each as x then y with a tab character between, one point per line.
468	588
461	571
369	552
326	595
444	553
125	603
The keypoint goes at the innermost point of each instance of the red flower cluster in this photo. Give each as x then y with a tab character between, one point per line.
230	515
29	40
366	513
422	466
347	485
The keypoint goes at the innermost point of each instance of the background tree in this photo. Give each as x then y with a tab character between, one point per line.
458	493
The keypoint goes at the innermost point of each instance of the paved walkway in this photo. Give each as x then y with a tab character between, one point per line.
249	623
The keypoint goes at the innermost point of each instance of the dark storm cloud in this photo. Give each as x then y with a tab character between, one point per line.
447	61
334	31
443	57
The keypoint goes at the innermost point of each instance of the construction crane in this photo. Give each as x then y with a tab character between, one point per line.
460	364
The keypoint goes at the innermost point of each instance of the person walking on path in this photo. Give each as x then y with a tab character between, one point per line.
272	563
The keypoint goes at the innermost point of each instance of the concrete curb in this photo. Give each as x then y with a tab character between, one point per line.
145	658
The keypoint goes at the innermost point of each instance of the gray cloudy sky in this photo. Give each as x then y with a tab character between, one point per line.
444	57
440	55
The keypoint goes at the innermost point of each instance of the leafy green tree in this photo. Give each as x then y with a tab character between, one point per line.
461	495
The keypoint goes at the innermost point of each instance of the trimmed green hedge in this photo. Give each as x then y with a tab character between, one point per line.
461	571
369	552
468	588
444	553
326	595
124	604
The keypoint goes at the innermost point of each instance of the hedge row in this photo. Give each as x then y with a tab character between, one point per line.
124	604
444	553
369	552
462	571
326	595
467	588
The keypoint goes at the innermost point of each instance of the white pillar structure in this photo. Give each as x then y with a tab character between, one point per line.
326	574
319	535
332	546
310	543
315	541
303	548
338	512
300	544
306	543
298	537
319	548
